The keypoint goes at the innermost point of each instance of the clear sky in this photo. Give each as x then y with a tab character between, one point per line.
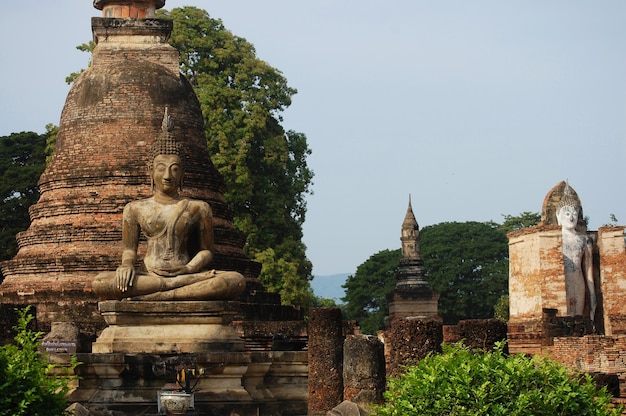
475	108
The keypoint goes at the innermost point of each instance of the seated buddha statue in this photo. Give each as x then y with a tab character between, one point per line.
179	234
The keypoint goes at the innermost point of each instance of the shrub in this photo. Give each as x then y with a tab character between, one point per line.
459	382
27	386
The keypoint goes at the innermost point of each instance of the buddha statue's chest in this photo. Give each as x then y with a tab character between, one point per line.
172	220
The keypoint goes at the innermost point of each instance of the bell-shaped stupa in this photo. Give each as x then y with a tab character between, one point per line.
112	114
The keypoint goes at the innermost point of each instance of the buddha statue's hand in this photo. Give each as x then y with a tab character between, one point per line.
125	276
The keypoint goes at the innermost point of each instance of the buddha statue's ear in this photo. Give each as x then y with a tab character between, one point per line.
151	178
182	177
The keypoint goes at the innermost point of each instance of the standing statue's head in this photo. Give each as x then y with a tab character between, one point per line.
569	210
165	163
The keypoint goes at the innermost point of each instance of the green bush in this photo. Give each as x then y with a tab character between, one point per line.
459	382
27	386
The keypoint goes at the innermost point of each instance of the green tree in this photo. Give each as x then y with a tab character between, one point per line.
28	384
517	222
320	302
460	382
468	264
22	160
367	290
264	167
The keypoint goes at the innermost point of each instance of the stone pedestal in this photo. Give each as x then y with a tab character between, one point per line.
416	301
168	327
243	383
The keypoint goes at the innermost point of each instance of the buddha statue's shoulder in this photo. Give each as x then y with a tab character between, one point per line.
139	204
142	208
198	206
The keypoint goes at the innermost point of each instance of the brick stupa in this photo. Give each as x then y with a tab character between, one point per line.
412	297
111	115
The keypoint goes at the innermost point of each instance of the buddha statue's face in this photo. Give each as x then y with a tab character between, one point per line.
568	217
167	173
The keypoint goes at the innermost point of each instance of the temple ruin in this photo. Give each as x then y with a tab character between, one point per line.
250	350
250	355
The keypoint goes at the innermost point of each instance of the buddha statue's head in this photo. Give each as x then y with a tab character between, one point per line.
166	159
569	209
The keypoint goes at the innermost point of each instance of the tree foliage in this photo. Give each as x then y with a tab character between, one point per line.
517	222
460	382
466	262
28	386
264	166
22	160
367	290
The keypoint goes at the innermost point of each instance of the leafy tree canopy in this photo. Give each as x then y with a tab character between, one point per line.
466	262
367	290
463	383
517	222
22	160
264	166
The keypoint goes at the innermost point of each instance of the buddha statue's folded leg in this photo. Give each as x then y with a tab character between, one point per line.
105	285
221	285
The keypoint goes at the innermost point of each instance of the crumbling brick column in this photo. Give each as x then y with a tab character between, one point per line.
325	360
363	370
482	333
410	340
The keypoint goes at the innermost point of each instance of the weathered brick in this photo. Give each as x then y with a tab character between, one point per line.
111	115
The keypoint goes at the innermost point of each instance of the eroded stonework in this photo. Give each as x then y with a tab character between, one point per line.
537	280
111	115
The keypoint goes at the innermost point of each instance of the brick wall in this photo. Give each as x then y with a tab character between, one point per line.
592	354
612	253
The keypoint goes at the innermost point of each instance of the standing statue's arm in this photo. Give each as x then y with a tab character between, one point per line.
587	266
125	274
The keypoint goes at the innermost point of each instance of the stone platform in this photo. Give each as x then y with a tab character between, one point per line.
242	383
146	343
168	327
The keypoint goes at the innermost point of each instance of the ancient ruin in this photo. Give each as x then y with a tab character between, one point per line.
218	322
140	322
590	337
537	278
412	297
112	114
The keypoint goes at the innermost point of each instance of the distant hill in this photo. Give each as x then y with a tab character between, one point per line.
329	287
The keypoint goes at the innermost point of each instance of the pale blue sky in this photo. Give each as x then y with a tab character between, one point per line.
476	109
